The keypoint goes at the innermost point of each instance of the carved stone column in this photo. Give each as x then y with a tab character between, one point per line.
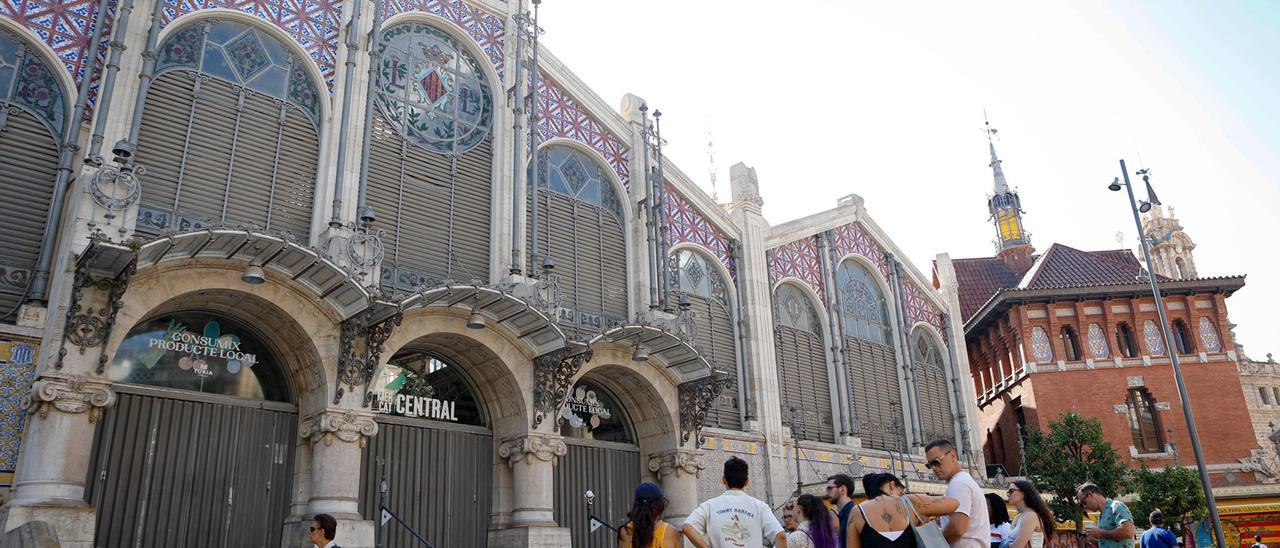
532	458
678	471
54	461
336	437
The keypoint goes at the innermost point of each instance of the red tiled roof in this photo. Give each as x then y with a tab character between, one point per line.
979	279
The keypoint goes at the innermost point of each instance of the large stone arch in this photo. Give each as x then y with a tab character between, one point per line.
304	333
648	392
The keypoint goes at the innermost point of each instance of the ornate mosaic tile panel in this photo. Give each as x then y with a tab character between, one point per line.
1098	342
688	225
1209	336
1041	348
66	26
17	372
851	238
798	259
920	308
1151	336
314	24
487	30
561	116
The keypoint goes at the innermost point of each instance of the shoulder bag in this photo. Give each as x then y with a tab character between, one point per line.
928	534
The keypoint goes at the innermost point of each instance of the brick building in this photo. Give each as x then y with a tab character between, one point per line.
1071	330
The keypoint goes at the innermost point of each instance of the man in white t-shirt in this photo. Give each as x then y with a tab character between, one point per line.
968	526
734	519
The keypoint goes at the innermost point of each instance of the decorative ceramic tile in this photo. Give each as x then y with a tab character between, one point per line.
1151	335
920	308
1098	342
1041	349
66	27
486	29
851	238
17	372
313	24
799	259
562	116
1209	336
688	225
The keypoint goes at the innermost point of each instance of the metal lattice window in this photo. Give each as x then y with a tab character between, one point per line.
693	274
803	378
869	357
863	311
931	378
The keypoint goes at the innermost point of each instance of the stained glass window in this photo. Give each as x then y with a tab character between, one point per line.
577	175
245	56
27	82
691	273
925	350
432	90
796	310
863	311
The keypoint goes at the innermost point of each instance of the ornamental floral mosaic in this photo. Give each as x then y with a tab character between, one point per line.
562	116
17	372
851	238
688	225
36	88
1209	336
487	30
798	259
1041	349
66	27
1151	335
314	24
920	308
1098	342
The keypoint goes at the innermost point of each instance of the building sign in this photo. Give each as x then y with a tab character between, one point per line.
393	399
199	348
584	408
590	412
418	385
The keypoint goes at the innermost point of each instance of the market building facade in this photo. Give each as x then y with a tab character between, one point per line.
312	272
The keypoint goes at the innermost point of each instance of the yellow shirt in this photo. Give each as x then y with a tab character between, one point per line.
659	532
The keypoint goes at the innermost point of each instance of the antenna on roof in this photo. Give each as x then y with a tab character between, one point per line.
711	164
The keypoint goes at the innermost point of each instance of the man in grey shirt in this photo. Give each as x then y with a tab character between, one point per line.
968	526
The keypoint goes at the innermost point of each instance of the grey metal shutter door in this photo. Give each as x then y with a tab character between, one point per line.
167	472
29	168
717	343
439	481
612	474
614	267
873	379
590	256
802	377
215	156
434	228
935	402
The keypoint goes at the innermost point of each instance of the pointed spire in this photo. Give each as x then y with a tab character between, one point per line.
1002	186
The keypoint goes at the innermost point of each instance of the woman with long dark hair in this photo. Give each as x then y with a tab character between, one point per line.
885	519
1034	524
645	528
818	526
998	515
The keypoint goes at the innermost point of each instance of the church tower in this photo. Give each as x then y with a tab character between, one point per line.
1013	244
1171	248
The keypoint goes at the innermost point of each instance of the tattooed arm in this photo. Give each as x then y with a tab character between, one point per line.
929	506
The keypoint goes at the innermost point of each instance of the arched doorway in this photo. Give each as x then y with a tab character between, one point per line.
199	448
434	449
603	457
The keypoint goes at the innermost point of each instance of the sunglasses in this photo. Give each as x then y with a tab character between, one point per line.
1011	491
935	463
314	529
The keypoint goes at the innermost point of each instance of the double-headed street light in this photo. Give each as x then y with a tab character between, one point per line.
1168	342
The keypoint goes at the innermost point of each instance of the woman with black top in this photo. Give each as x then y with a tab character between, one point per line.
883	521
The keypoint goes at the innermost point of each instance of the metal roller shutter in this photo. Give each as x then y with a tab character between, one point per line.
717	342
802	378
877	404
29	166
437	221
935	397
611	471
589	251
218	153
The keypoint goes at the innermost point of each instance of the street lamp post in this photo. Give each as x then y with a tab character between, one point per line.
1192	432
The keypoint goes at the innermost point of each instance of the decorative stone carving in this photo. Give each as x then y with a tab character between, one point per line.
1209	336
116	189
343	425
1098	342
552	374
1153	337
1040	346
746	187
1260	461
679	461
68	394
533	446
696	397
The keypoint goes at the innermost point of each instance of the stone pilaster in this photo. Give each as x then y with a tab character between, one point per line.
336	437
532	458
54	462
678	471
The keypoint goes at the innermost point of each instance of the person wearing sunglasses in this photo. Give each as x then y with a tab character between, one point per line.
1034	523
324	528
1115	527
968	526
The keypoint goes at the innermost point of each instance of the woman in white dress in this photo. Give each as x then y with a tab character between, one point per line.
1034	524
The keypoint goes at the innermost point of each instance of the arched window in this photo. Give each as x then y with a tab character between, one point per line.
590	412
1144	423
1182	338
931	377
869	357
692	274
1070	343
431	159
581	229
416	383
201	352
1264	396
802	364
32	118
230	133
1126	343
1209	336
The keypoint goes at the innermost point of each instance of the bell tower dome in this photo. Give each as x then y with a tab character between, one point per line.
1013	243
1171	248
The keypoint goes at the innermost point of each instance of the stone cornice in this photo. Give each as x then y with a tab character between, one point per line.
69	394
344	425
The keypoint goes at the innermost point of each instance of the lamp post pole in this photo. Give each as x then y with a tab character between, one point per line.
1192	432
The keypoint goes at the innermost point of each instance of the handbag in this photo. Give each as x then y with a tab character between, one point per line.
928	534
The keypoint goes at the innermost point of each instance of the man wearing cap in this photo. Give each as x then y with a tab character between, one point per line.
734	518
644	527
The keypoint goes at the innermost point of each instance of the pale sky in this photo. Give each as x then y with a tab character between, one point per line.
886	100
